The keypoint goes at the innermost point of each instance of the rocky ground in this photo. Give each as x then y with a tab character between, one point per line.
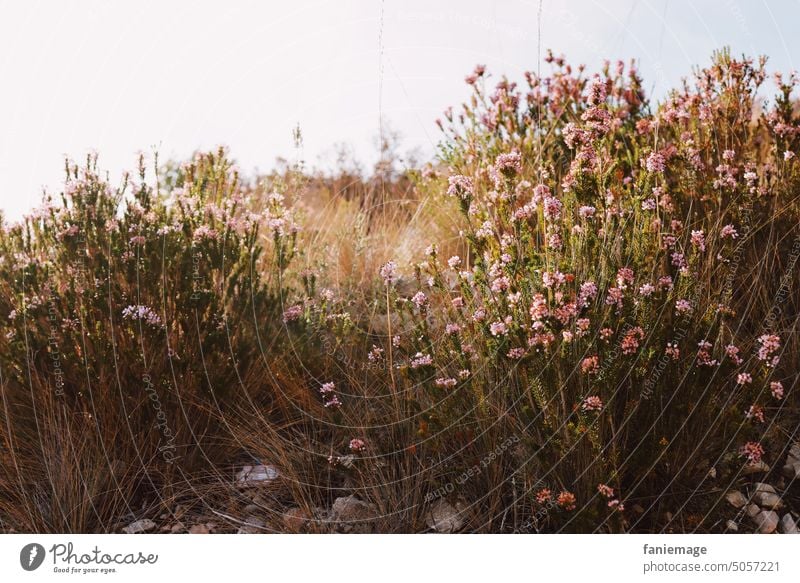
761	505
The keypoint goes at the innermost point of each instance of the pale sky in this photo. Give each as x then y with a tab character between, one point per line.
120	77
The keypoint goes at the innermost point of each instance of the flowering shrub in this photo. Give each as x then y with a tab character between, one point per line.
601	310
129	313
612	320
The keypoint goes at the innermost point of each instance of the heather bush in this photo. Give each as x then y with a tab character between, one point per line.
620	322
582	317
134	316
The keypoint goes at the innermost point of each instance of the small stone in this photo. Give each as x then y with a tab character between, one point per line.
794	452
767	521
736	499
788	525
256	475
199	529
253	524
444	518
792	469
763	487
768	500
139	526
752	510
756	468
732	526
251	509
353	515
295	519
177	527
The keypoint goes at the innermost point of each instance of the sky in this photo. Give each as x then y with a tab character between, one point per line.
122	77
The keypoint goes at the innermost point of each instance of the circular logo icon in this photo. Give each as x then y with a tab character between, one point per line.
31	556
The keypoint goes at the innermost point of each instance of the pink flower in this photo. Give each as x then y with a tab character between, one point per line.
143	313
498	328
452	329
544	495
729	231
777	389
744	378
420	299
552	208
203	233
683	306
647	289
293	313
389	272
507	165
588	292
445	382
460	186
615	297
357	445
421	360
566	500
624	277
770	343
631	340
592	403
376	354
656	163
673	351
516	353
755	412
699	240
605	490
590	365
732	352
454	261
752	451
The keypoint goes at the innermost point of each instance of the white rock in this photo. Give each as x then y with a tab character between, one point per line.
139	526
254	475
732	526
442	517
768	500
788	525
736	499
752	510
767	521
763	487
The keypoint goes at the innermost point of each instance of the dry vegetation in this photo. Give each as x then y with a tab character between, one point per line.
582	317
